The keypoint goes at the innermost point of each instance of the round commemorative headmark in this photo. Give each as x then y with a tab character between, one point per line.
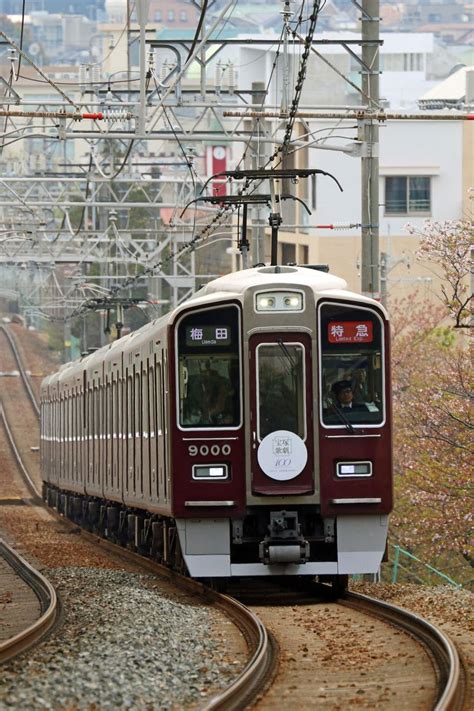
282	455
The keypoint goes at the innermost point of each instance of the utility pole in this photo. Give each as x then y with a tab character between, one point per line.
369	134
143	7
258	233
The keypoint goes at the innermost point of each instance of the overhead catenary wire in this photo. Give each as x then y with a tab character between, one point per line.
199	27
22	29
40	71
209	229
178	252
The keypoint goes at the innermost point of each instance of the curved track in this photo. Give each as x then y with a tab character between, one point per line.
444	653
21	368
33	488
46	595
450	675
262	653
262	658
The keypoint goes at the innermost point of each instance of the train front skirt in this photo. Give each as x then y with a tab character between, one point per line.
206	548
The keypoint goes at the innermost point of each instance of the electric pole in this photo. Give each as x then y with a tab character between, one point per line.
369	134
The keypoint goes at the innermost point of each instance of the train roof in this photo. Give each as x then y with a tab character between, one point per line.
235	283
265	277
239	282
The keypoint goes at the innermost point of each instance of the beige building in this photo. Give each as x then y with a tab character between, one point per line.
426	171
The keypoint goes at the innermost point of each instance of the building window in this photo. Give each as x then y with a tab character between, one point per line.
171	15
183	16
407	195
158	16
314	192
288	253
412	62
304	254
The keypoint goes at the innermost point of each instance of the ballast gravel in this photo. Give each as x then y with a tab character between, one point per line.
122	644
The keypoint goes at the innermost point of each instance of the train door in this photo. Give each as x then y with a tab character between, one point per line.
281	414
145	468
114	436
153	433
123	430
108	443
138	431
130	410
164	425
160	438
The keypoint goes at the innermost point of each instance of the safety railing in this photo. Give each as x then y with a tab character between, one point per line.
399	554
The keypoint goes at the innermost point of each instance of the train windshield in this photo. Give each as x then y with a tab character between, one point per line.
351	373
281	389
209	392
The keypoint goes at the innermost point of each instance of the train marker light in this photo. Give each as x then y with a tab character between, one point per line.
208	472
354	469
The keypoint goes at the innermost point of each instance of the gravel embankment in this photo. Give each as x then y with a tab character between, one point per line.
122	644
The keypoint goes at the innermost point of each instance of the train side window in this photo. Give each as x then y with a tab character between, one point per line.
97	412
151	402
351	366
90	407
138	406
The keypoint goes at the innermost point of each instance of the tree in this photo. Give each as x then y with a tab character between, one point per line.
433	426
449	245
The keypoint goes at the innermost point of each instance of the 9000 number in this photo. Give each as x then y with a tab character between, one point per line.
204	449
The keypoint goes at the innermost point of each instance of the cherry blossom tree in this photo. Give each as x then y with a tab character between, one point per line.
448	246
433	426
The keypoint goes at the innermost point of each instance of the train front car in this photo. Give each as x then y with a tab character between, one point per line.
281	428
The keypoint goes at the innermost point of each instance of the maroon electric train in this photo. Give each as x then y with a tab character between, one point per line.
245	433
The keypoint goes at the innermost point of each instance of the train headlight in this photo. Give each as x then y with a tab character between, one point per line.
265	303
279	301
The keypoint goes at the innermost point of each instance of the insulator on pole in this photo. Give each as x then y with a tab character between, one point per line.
118	115
338	226
231	76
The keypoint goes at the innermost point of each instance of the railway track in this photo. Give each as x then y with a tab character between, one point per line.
22	370
262	648
442	665
28	480
46	595
449	672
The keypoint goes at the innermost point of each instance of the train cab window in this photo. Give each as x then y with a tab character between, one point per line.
351	366
281	388
209	392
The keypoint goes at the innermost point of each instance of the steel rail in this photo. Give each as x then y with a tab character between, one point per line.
261	663
262	649
46	595
21	367
24	472
261	666
448	666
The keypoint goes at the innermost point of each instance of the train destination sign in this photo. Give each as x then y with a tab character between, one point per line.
208	336
350	332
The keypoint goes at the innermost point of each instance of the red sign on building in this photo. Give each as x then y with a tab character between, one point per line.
217	163
350	331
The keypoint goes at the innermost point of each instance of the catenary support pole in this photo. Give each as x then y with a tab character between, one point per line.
369	133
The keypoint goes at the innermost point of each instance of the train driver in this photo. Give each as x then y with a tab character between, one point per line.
344	397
